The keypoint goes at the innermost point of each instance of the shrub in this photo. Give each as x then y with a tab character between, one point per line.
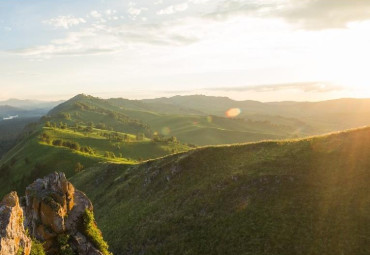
140	136
72	145
68	144
87	149
93	233
101	126
64	247
58	142
37	248
45	138
79	167
63	125
20	251
109	154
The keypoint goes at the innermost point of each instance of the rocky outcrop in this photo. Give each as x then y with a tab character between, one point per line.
13	237
55	215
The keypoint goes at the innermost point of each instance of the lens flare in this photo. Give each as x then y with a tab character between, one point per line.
233	112
166	131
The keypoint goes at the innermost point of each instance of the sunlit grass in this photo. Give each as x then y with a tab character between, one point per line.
307	196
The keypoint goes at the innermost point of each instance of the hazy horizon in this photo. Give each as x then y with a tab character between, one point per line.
165	95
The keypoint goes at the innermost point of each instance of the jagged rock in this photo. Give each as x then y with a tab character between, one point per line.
56	214
55	208
13	237
84	246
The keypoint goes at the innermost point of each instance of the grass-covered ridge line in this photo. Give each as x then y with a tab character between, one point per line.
308	196
85	130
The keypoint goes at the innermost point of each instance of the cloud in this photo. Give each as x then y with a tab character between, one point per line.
102	38
110	12
64	21
75	44
321	14
134	11
198	1
317	87
173	9
95	14
306	14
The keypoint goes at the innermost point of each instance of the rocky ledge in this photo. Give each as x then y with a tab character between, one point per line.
54	214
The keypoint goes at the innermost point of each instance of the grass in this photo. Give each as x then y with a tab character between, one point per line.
213	130
31	159
37	248
93	233
34	158
307	196
132	150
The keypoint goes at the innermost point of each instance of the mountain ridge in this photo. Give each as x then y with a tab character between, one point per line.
273	197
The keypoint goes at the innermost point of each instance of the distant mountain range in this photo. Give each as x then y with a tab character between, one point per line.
179	175
30	104
125	131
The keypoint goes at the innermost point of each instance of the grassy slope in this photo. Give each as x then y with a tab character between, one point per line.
9	132
32	158
188	127
213	130
85	109
307	196
133	150
314	117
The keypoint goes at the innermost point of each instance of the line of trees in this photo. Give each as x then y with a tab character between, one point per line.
68	144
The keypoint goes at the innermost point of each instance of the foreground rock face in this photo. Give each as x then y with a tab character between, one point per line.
54	215
13	238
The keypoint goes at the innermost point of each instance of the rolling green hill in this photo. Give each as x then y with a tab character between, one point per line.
85	130
155	193
308	196
314	117
45	149
78	134
132	116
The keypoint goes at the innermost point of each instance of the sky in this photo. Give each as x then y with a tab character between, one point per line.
271	50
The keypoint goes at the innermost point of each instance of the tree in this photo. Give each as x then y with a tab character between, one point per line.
79	167
101	126
139	136
62	125
173	139
109	154
45	138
